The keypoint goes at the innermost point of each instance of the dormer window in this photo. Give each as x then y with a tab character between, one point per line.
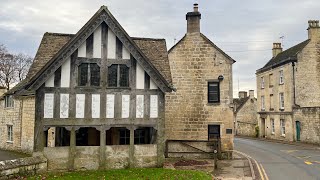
88	74
8	102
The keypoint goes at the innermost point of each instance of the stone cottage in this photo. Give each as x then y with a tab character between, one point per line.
201	107
288	91
245	114
94	99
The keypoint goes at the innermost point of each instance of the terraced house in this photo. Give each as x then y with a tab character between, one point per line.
288	91
94	99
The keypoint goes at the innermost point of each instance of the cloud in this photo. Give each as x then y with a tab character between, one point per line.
245	30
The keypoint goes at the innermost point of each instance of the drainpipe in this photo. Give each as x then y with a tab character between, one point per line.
294	84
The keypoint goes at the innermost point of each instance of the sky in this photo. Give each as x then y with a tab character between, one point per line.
244	29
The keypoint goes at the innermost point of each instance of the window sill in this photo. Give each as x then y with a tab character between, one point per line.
10	142
271	86
272	133
8	107
126	88
283	135
213	104
281	83
281	109
263	109
271	109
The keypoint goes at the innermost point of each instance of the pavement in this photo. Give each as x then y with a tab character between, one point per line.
281	160
8	155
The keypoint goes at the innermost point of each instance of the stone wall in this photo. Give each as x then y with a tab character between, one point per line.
193	62
20	167
310	124
246	118
246	129
28	118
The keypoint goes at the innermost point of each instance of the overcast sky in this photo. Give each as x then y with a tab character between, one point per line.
244	29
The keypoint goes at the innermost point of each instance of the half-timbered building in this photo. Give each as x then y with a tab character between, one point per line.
99	97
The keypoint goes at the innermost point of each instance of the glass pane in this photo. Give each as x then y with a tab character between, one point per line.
95	75
213	97
213	87
83	74
124	76
112	76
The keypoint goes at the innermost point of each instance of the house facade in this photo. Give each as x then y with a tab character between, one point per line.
200	109
288	91
93	100
245	114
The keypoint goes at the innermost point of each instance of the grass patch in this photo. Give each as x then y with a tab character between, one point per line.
129	174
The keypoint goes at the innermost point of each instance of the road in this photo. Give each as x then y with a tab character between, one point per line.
7	155
282	161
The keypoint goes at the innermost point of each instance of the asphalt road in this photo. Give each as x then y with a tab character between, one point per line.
7	155
282	161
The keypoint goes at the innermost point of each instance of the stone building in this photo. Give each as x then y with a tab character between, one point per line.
245	114
201	107
94	99
288	91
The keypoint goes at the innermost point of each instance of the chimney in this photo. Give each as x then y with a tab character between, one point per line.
251	94
277	49
242	94
193	20
313	29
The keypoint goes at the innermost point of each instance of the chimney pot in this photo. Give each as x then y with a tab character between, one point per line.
195	7
277	49
251	94
193	20
313	29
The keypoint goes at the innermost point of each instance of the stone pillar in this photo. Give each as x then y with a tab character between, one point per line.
102	160
72	148
131	149
160	132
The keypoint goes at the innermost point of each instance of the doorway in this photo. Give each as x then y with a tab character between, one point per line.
298	129
263	128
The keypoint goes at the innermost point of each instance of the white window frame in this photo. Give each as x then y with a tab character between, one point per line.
9	133
272	126
281	100
262	82
8	102
262	103
282	127
281	78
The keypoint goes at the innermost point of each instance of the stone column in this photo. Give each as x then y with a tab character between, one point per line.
131	149
102	160
72	147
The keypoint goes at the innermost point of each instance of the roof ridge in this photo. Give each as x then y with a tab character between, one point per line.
59	34
292	47
144	38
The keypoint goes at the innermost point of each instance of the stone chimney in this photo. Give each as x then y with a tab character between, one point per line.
313	29
243	94
276	49
251	94
193	20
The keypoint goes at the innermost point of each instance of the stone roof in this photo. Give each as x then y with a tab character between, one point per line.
284	57
239	102
156	52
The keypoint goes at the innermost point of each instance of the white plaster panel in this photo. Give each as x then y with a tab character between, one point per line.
125	106
64	105
110	106
97	43
80	105
50	81
95	106
48	105
139	106
139	77
125	53
111	44
153	85
153	106
65	73
82	50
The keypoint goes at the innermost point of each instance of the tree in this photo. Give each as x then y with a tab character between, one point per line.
13	68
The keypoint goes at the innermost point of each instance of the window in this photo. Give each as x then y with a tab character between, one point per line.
139	136
281	100
118	75
281	79
124	136
89	74
282	127
10	133
262	103
270	80
272	126
271	102
8	101
262	82
213	92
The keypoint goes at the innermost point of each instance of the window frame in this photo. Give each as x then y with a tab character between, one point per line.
281	77
10	133
263	107
88	82
8	101
262	82
125	137
118	80
281	101
217	82
272	126
282	127
271	80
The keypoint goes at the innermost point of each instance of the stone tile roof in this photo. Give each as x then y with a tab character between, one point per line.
239	102
156	51
284	57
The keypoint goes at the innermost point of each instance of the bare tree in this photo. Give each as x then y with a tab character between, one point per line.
13	68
